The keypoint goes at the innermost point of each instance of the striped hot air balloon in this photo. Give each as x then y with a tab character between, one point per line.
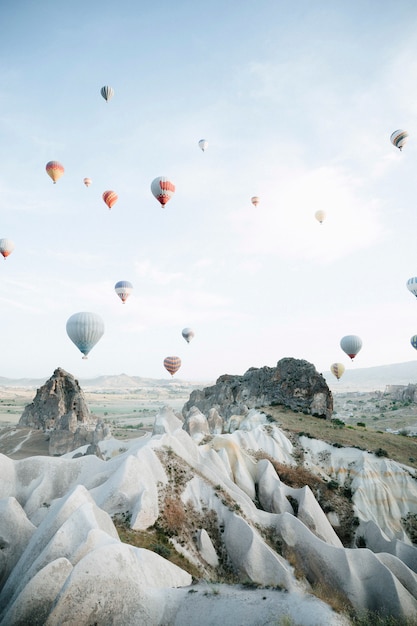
85	329
55	170
123	288
412	285
172	364
162	189
337	369
351	344
107	92
110	198
399	138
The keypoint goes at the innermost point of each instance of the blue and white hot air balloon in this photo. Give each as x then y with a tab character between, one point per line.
123	288
399	138
85	329
107	92
412	285
351	344
188	334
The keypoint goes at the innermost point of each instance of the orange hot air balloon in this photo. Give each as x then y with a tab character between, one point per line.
6	247
110	198
162	189
87	182
172	364
55	170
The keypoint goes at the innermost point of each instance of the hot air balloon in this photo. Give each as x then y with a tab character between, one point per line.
110	198
412	285
337	369
6	247
413	341
188	334
85	330
87	182
172	364
320	216
399	138
255	200
107	92
162	189
203	144
123	289
55	170
351	344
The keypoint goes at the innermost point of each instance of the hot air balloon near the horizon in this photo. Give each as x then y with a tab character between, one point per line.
413	341
107	92
6	247
255	200
351	344
123	288
172	364
337	369
85	329
110	198
203	144
188	334
320	216
412	285
87	182
399	138
162	189
55	170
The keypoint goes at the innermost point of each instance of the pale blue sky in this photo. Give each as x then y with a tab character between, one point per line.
297	101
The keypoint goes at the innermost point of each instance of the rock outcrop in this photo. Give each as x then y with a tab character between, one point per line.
60	409
293	383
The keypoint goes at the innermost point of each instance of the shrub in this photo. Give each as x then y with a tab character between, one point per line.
381	452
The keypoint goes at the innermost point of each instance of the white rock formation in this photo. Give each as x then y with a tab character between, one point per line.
62	560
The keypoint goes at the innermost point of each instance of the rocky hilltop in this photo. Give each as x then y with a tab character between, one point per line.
293	383
60	409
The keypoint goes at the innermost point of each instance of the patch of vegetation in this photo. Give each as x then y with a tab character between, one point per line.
409	523
373	618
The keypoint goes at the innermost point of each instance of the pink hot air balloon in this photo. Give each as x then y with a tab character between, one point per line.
255	200
87	182
162	189
110	198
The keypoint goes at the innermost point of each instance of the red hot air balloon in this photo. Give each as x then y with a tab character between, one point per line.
6	247
162	189
54	170
172	364
110	198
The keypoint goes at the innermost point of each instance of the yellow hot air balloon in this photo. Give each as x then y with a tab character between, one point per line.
337	369
55	170
320	216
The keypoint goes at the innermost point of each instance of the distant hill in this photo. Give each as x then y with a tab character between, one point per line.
373	378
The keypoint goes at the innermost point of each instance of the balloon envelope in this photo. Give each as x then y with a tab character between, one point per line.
85	329
188	334
55	170
110	198
203	144
255	200
87	182
337	369
162	189
107	92
413	341
399	138
172	364
6	247
320	216
123	288
412	285
351	344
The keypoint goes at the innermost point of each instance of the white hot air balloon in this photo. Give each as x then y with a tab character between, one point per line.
351	344
320	216
399	138
85	329
412	285
203	144
188	334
